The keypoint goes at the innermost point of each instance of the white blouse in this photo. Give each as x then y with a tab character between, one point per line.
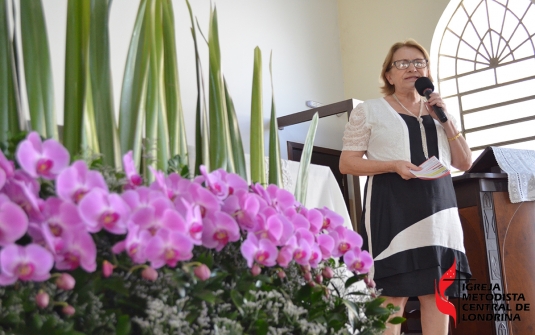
375	127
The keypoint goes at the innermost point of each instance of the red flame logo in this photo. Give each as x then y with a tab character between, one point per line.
445	281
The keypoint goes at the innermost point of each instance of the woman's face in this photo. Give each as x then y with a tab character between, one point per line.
404	79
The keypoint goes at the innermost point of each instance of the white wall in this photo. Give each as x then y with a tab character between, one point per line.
302	34
369	28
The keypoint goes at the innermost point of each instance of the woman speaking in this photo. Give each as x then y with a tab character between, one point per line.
411	226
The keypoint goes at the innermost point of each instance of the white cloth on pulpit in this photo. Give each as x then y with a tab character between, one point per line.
519	165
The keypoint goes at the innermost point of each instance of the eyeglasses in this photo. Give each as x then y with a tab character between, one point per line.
404	64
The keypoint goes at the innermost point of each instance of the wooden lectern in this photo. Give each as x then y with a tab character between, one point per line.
499	238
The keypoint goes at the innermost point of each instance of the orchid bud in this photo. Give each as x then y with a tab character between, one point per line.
281	274
202	272
42	299
255	270
65	282
318	278
107	269
305	268
149	274
311	283
327	272
369	282
307	276
68	310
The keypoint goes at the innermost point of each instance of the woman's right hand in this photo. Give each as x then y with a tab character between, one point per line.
403	169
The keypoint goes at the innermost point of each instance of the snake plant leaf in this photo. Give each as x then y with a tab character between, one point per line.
201	120
257	123
175	116
156	130
134	87
235	136
9	98
302	174
89	132
101	83
220	146
275	170
76	52
38	68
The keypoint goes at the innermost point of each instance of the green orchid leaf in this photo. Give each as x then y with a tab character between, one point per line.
101	83
201	123
177	131
275	170
235	136
258	174
220	146
9	92
134	87
38	68
76	51
302	174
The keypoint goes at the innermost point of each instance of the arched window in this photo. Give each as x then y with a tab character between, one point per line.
484	57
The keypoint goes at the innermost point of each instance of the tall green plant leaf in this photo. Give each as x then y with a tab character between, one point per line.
220	146
76	53
37	68
9	98
258	174
156	124
275	170
201	122
101	84
132	104
177	131
235	136
302	174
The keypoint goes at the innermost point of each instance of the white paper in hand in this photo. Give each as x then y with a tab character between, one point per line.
431	169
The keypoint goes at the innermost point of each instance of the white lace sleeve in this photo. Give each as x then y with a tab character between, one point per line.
357	131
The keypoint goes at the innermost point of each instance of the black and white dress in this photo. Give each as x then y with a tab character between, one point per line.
410	227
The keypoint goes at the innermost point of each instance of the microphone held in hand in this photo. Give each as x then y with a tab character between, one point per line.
425	87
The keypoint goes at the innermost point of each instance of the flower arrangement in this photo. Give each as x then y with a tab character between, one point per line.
183	256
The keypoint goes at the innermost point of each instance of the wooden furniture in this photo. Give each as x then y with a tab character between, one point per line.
499	238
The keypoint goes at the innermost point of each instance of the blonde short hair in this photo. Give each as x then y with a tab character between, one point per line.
387	88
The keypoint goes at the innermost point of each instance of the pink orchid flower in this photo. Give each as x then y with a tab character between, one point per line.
244	207
24	191
134	244
219	229
279	198
326	245
7	169
98	210
42	159
59	216
78	250
303	251
134	179
77	180
28	263
198	195
259	251
286	253
13	221
168	247
345	240
331	219
152	217
358	261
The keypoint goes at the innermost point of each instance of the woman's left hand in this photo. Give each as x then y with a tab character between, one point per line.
436	100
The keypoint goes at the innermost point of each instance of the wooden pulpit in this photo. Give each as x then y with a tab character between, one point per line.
499	238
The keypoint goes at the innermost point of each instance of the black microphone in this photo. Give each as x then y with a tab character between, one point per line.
425	87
